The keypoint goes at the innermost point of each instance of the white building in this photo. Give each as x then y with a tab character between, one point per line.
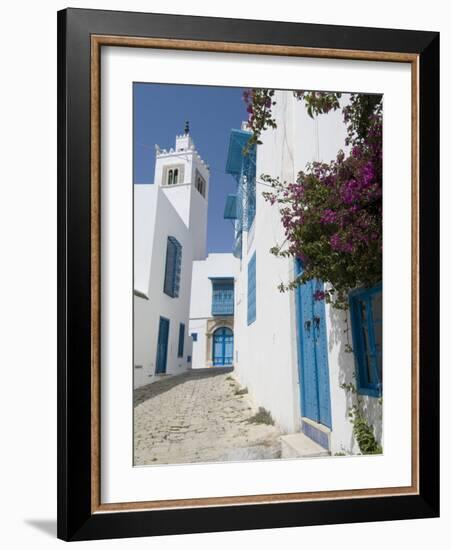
289	348
211	324
170	224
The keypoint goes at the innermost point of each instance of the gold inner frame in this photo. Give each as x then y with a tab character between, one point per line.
97	41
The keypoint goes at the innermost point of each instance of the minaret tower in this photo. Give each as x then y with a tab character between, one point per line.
184	178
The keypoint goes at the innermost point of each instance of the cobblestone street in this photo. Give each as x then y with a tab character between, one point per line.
199	416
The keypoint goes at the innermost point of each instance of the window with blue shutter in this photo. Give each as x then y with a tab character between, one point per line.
181	340
251	290
173	267
231	207
240	206
366	319
222	297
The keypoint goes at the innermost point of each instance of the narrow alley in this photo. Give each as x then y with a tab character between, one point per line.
200	416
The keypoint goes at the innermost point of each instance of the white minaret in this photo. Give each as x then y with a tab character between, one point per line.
184	178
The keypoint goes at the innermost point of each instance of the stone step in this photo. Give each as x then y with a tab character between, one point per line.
298	445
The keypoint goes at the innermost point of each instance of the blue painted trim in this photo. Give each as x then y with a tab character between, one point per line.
181	344
173	267
252	290
223	297
241	206
220	337
369	291
300	341
316	435
313	362
237	142
162	346
322	359
231	207
356	297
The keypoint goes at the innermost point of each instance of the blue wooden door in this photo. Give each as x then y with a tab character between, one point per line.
162	346
312	352
222	347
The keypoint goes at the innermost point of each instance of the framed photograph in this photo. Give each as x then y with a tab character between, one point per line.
248	274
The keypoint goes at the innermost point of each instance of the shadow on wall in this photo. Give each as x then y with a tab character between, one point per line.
340	337
142	394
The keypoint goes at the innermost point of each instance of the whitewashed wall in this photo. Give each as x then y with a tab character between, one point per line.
342	370
164	222
266	348
145	204
160	210
191	206
267	353
215	265
198	223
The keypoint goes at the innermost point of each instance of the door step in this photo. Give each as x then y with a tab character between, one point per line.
318	432
299	445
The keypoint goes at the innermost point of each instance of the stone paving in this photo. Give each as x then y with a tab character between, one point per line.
198	416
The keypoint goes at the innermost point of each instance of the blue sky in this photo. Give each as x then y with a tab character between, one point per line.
160	112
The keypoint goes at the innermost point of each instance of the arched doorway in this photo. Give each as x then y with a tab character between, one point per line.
222	347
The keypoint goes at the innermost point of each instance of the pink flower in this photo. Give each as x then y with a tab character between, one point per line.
319	295
338	244
328	216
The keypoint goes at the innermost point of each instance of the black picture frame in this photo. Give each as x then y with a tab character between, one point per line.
76	521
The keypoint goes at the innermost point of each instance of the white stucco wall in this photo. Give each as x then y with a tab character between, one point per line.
198	223
166	222
267	351
160	211
145	204
191	206
265	348
215	265
342	371
325	136
199	356
266	361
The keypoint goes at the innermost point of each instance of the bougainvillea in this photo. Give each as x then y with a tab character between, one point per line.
332	214
319	102
259	104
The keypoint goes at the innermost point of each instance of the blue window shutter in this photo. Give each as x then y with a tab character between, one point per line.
230	209
178	268
173	267
249	172
251	290
162	346
194	336
170	265
181	340
366	322
222	298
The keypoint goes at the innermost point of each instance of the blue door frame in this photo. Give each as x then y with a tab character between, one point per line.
313	362
162	346
222	347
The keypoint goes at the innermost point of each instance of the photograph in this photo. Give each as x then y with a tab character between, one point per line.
248	252
257	276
